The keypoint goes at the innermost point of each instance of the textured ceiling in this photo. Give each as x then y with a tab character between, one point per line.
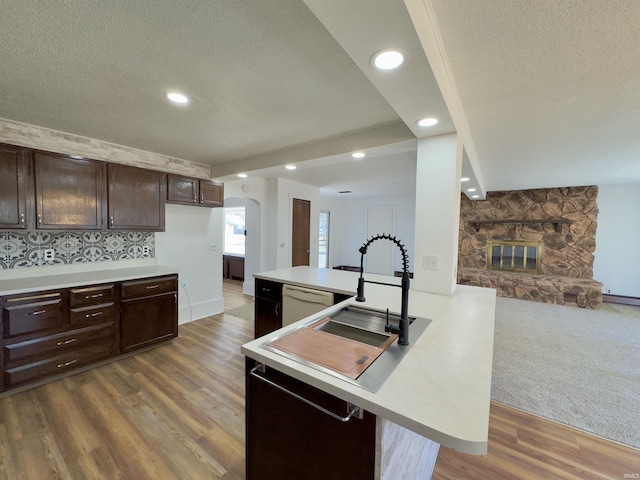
550	88
263	75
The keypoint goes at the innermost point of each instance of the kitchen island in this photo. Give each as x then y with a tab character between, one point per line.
440	392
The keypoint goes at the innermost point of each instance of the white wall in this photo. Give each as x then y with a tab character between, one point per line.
348	228
617	263
184	245
437	213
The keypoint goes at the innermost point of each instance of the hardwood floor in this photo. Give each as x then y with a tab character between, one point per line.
177	412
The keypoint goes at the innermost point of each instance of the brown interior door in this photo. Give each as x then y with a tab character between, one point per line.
300	237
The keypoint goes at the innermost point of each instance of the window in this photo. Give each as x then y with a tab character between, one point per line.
234	230
323	240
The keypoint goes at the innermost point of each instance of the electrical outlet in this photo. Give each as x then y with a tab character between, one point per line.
146	250
213	247
608	290
49	254
430	262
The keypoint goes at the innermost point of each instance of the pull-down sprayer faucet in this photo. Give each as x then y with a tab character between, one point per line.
403	329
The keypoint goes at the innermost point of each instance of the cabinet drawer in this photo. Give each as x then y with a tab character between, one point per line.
57	365
54	345
91	295
269	290
149	286
32	317
105	312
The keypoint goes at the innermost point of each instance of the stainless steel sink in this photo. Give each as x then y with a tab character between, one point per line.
367	326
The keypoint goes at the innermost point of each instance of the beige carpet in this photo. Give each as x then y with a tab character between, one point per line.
575	366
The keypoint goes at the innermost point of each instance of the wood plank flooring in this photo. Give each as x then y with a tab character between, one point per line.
177	412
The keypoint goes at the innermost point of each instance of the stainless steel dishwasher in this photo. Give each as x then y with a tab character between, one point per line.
300	302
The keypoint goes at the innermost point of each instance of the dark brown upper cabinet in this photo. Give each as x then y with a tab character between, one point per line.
136	198
14	176
194	191
211	193
69	192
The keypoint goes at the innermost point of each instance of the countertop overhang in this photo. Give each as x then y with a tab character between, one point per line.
12	286
441	389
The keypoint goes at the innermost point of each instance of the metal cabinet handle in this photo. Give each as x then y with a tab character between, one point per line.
355	411
201	198
66	342
39	312
277	309
195	198
98	295
111	221
39	219
150	287
22	218
89	315
66	364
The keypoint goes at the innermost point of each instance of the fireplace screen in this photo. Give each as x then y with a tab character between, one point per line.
514	256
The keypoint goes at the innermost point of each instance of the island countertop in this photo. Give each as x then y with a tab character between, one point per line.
441	389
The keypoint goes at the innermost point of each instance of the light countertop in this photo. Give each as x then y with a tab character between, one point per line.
41	282
441	389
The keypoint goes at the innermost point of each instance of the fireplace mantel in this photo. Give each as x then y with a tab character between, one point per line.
557	222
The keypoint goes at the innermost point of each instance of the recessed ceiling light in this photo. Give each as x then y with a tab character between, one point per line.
388	59
290	167
427	122
471	189
357	154
464	179
475	196
242	175
179	98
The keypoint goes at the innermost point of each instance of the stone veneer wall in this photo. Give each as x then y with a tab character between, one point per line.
567	255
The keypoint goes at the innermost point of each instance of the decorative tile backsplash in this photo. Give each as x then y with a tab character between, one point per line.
37	249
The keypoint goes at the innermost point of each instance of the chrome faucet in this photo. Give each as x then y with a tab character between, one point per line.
403	328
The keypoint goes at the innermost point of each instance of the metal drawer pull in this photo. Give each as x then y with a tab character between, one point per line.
66	364
354	412
38	312
98	295
32	297
22	218
152	286
89	315
67	342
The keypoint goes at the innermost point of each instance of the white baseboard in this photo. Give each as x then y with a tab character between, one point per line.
249	288
200	310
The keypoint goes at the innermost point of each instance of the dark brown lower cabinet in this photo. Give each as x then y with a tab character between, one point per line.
51	333
287	438
149	312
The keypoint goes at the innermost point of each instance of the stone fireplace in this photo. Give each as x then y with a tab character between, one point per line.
532	244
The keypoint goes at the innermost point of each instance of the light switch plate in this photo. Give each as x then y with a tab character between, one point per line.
430	262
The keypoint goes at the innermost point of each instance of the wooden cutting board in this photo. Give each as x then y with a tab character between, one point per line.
342	355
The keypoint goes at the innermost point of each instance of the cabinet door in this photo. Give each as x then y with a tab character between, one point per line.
13	187
148	320
69	192
136	198
287	438
182	189
211	193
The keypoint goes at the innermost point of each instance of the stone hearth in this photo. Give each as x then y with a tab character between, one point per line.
575	292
